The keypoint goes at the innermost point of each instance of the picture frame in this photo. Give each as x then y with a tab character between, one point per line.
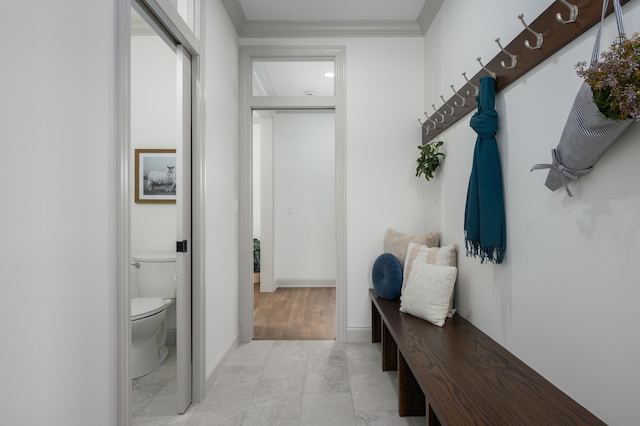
155	179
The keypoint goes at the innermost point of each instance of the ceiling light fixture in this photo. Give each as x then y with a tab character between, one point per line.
329	75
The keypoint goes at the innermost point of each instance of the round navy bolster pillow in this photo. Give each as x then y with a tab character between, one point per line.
387	276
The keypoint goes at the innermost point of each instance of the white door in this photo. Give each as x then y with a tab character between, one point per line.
183	246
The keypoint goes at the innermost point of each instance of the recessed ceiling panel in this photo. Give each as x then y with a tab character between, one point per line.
332	10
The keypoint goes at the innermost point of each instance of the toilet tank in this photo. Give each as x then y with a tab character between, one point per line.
156	274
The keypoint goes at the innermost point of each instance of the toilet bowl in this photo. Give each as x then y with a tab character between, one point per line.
156	280
148	334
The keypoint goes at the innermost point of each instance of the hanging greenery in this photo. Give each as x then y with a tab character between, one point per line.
256	255
429	159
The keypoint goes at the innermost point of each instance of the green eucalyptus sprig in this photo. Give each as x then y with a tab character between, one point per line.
429	159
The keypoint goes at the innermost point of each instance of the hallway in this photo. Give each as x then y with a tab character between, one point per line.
301	383
295	314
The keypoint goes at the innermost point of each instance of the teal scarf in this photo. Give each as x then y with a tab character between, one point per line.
484	219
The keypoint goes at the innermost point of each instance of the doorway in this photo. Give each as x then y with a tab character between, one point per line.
251	101
167	22
161	214
294	224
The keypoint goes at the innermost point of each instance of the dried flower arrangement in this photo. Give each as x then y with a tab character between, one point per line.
607	102
615	79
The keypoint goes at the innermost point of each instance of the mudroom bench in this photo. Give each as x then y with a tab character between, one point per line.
457	375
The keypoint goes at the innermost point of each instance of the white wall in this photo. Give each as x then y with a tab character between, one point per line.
221	185
265	210
385	86
304	197
562	301
153	125
58	227
58	191
257	154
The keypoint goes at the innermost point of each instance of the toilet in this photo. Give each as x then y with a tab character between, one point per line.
156	279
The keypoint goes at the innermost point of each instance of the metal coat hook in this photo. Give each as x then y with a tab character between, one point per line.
514	58
573	13
428	119
477	89
445	102
424	127
493	74
442	117
539	38
460	96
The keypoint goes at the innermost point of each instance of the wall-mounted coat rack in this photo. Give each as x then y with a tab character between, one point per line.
557	26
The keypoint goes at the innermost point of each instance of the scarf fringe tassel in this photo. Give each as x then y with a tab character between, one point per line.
486	254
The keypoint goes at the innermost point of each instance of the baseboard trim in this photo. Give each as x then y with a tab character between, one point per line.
305	282
359	335
214	371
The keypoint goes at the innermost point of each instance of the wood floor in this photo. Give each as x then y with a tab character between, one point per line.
294	314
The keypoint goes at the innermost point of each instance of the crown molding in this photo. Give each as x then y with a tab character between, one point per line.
236	14
274	29
428	14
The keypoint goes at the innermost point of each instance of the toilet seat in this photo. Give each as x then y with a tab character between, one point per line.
143	307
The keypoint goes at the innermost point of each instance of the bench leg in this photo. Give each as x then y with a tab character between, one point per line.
376	319
432	420
389	350
411	399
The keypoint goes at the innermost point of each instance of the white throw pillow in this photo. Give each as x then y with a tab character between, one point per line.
428	292
444	256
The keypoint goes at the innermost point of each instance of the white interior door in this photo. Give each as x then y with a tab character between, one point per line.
183	246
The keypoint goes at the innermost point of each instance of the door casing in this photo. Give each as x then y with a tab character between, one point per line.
248	104
192	42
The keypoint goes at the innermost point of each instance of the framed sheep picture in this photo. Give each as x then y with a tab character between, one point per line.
155	174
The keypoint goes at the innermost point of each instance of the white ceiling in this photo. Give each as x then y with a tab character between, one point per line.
331	18
331	10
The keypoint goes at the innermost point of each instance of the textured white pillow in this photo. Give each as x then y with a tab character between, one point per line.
444	256
428	292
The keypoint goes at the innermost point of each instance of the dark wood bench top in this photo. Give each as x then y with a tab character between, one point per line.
468	378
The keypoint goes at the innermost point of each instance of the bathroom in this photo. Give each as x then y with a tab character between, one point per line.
153	217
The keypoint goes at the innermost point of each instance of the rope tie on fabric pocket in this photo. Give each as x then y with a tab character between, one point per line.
565	172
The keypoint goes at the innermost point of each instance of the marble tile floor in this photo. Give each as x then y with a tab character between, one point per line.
301	383
152	395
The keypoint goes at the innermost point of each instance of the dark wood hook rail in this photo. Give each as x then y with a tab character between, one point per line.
556	36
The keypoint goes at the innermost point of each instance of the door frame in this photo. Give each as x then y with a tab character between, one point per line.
248	103
193	41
